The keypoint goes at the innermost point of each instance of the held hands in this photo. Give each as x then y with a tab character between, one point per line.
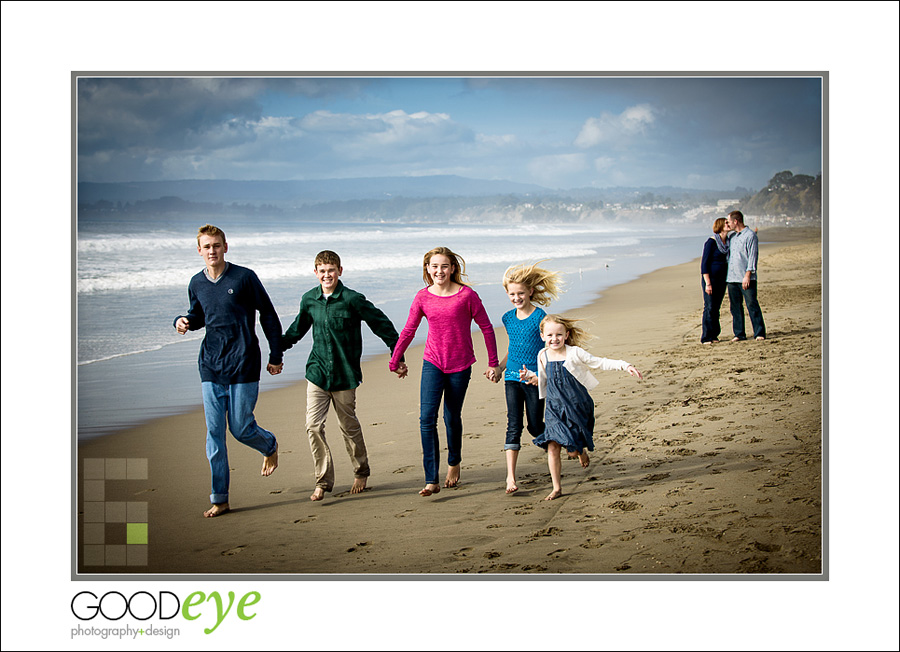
182	325
493	374
274	369
527	376
401	370
634	372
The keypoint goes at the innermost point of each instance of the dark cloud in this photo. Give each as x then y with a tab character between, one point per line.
563	132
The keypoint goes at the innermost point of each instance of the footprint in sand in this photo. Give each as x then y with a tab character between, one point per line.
462	552
403	469
233	551
590	543
624	505
491	554
546	532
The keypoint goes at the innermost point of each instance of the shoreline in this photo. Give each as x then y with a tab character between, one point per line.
668	450
96	423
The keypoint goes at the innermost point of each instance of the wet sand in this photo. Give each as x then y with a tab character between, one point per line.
710	465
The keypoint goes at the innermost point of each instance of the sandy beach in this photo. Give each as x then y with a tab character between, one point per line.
710	465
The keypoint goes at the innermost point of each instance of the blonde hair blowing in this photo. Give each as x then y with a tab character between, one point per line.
577	336
546	285
459	265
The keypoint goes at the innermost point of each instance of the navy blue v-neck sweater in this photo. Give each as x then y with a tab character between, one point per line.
227	309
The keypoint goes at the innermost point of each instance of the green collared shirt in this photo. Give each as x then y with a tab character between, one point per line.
336	324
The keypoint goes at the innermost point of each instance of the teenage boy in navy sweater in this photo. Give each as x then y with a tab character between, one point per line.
224	298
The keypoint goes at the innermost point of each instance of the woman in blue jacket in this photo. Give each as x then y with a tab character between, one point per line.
713	269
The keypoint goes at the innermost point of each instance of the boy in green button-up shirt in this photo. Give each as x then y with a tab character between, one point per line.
335	313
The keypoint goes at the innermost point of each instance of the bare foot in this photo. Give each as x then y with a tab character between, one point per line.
571	455
735	339
216	510
511	486
452	476
318	494
760	338
430	489
585	459
270	463
556	493
359	485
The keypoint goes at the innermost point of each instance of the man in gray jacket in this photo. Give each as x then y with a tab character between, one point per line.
743	255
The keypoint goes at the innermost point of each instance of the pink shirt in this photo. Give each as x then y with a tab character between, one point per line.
449	343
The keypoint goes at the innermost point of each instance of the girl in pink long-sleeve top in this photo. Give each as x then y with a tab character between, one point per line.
450	306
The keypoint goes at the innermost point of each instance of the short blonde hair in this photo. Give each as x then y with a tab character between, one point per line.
459	265
577	336
211	231
545	285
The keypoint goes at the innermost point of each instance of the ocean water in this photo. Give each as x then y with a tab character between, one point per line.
132	282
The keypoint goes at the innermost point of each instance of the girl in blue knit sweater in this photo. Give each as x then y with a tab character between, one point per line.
525	285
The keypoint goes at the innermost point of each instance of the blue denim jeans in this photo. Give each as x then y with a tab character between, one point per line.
234	404
712	304
522	397
437	385
737	295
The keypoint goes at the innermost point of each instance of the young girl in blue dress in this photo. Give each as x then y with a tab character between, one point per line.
563	380
526	286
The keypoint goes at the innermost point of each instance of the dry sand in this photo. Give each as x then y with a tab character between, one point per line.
712	464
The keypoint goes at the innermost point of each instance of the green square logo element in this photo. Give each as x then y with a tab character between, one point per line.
136	533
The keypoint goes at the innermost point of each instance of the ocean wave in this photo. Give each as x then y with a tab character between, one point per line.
106	275
146	349
113	243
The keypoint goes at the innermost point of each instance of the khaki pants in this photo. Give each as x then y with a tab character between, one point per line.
317	402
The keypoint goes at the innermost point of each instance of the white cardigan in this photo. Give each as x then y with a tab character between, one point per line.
579	362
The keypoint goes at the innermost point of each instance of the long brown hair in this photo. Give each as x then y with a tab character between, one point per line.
459	265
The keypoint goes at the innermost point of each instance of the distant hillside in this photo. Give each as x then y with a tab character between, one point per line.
292	194
299	193
445	198
789	195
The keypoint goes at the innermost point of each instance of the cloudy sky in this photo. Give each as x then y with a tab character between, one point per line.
559	132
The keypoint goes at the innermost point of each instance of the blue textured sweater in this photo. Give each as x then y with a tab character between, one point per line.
524	342
227	309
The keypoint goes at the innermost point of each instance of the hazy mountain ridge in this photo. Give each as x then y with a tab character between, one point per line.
299	192
445	198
